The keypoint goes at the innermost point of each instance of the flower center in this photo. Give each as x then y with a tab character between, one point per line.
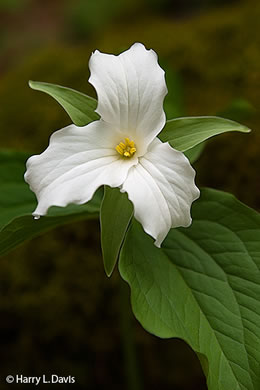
126	149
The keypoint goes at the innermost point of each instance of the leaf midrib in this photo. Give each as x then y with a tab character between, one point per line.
210	326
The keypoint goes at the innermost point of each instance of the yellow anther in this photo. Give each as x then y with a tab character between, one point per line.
119	149
126	149
122	145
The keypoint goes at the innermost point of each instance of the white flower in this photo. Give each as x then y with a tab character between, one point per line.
121	149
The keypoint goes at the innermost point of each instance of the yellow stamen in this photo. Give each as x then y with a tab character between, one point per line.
122	145
119	149
126	149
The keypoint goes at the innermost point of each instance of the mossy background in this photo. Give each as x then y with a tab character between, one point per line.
59	312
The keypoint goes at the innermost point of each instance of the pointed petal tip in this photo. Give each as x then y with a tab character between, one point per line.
157	244
141	46
95	52
138	44
39	211
36	216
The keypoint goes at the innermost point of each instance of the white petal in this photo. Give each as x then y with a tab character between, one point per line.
161	187
77	162
131	89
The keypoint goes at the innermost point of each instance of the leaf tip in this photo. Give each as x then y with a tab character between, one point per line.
245	129
108	271
31	84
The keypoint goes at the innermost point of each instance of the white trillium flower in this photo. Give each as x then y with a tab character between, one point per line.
121	149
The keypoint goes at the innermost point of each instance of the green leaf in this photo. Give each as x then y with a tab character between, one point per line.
185	133
17	203
194	153
115	214
15	197
80	107
203	286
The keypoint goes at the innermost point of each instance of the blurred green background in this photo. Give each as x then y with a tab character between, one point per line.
59	313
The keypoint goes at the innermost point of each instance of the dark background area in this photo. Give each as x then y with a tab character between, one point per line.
60	314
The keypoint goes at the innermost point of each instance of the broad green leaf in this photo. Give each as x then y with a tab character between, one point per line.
115	214
185	133
203	286
80	107
15	197
17	203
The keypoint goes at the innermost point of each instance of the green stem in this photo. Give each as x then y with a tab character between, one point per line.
128	342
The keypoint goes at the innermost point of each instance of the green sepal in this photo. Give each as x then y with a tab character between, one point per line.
115	215
80	107
185	133
194	153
